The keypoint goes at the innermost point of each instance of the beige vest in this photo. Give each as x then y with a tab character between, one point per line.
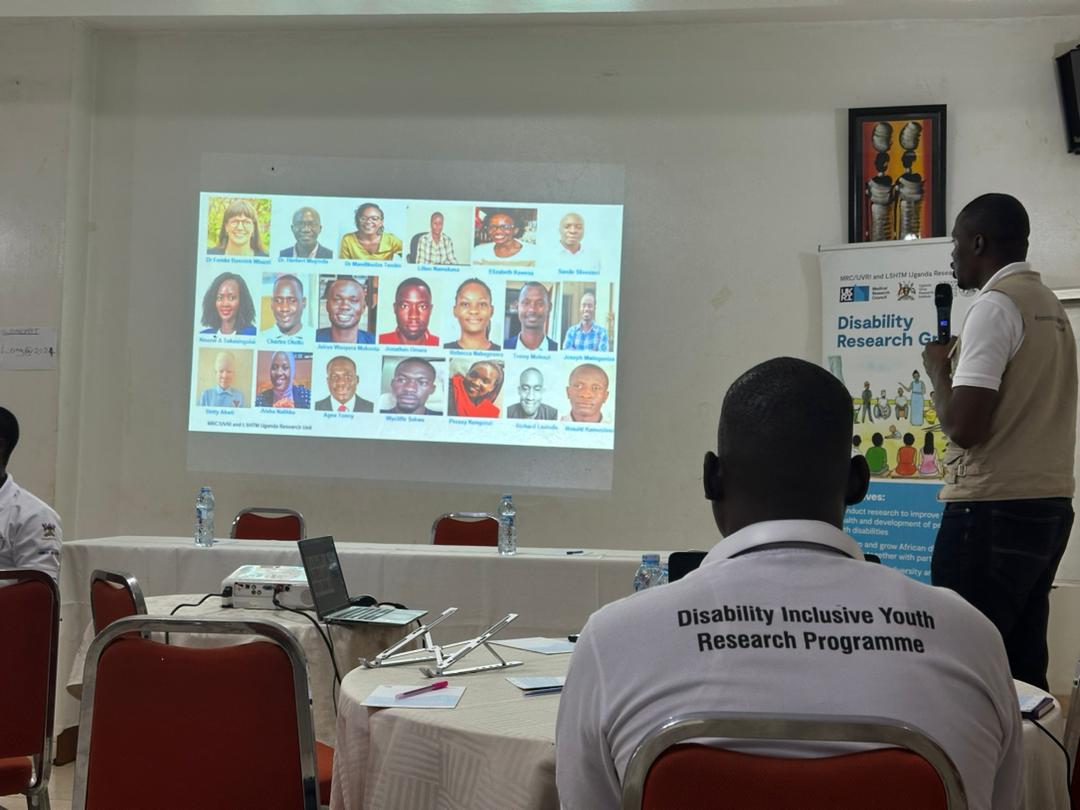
1030	451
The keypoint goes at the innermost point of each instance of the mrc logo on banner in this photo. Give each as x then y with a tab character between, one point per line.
859	292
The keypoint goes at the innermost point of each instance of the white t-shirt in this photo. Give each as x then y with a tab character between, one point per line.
719	640
30	533
991	335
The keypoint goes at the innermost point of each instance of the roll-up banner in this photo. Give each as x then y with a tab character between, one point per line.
877	314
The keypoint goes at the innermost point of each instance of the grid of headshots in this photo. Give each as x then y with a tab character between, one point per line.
395	308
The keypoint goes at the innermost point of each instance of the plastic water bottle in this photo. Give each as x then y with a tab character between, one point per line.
663	578
204	518
648	572
507	526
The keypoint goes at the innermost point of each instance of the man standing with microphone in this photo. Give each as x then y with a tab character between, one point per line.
1005	395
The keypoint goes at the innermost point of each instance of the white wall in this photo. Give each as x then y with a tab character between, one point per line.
734	143
45	81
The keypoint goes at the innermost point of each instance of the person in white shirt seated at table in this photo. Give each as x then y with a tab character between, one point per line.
785	616
30	534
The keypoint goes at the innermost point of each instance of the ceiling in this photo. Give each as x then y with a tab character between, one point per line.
217	14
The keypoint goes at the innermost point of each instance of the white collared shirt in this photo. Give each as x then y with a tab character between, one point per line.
992	333
30	535
720	640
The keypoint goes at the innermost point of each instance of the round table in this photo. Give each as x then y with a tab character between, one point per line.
495	751
497	748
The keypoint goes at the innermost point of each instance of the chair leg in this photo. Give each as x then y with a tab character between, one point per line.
38	801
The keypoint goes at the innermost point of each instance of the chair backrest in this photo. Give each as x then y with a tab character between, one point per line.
465	529
29	635
114	595
681	563
665	771
175	727
1072	735
268	523
413	243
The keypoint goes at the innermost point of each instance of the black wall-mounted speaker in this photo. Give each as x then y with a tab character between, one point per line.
1069	73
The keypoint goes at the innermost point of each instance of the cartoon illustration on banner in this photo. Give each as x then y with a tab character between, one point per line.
878	313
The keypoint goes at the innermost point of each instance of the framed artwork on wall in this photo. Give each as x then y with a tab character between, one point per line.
896	173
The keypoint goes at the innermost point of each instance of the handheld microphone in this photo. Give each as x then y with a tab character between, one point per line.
943	302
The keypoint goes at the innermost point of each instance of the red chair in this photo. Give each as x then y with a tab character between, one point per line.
666	772
174	728
114	595
465	529
29	632
268	523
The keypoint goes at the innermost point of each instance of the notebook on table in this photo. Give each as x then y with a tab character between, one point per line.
330	594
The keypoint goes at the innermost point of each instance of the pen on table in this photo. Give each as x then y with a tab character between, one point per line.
572	637
547	690
575	551
431	687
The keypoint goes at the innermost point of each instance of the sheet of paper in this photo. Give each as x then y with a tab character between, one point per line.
529	682
537	644
28	349
383	697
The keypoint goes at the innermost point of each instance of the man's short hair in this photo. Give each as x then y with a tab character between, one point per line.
780	409
1000	218
539	286
421	361
290	277
344	357
591	367
412	282
9	434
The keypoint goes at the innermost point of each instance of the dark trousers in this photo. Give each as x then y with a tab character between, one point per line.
1001	556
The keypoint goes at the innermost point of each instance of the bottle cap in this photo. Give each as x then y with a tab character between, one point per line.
651	558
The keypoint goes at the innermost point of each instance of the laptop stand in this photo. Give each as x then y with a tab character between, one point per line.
444	655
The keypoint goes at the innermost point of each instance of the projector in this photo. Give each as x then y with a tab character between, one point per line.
254	586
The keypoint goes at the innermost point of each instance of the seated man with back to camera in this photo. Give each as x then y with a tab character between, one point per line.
785	616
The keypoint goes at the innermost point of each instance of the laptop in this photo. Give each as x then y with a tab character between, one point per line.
332	602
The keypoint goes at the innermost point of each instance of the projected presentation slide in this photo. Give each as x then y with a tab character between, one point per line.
463	321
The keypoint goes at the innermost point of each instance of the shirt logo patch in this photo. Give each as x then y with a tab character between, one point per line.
49	530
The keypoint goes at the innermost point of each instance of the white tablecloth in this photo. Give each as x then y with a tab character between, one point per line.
553	593
497	748
495	751
350	643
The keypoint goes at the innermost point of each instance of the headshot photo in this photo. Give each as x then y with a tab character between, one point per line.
224	378
581	315
306	227
475	388
531	393
342	380
370	241
344	315
284	308
528	311
238	227
574	250
439	234
283	380
227	307
412	309
586	393
474	311
505	236
411	385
